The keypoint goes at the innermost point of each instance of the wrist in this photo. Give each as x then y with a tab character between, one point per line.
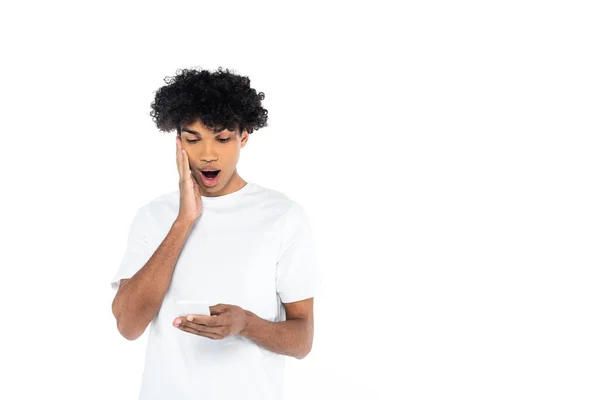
184	223
248	323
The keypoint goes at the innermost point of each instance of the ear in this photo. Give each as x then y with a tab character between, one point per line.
245	137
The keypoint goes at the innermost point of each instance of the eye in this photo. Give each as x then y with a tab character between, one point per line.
220	140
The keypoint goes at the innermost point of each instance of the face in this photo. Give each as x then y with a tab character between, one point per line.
219	151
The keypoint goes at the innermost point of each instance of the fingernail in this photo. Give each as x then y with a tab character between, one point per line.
177	321
190	318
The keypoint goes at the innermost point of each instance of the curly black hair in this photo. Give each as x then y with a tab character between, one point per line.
219	99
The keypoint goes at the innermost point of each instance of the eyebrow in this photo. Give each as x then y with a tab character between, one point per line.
197	133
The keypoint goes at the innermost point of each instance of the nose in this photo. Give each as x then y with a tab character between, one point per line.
208	155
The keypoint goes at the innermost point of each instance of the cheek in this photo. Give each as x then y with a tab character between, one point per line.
231	155
234	153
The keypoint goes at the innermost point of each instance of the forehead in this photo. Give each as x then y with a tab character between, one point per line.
198	128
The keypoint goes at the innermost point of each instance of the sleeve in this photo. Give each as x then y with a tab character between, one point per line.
298	275
141	244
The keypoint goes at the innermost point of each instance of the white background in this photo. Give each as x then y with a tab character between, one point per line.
445	152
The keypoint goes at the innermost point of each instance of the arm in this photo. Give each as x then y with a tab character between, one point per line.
139	298
292	337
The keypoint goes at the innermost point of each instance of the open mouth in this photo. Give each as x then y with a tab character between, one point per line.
210	174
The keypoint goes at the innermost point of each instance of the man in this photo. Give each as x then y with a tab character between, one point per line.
244	248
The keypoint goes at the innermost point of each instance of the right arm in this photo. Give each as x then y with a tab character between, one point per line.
139	298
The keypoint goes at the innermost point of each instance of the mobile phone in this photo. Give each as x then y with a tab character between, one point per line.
187	307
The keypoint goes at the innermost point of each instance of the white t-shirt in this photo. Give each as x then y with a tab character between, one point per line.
252	248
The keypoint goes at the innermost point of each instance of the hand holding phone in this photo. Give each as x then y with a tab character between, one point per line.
187	307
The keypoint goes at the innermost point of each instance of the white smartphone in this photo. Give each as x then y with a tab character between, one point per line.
187	307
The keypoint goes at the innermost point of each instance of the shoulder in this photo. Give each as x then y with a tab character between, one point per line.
158	202
291	220
161	208
279	202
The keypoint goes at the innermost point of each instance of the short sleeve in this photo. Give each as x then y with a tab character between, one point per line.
141	244
298	276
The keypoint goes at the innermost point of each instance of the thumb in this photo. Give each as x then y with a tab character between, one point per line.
196	185
218	309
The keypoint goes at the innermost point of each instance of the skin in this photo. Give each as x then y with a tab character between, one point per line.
292	337
217	151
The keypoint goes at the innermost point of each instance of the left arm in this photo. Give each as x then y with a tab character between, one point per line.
292	337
